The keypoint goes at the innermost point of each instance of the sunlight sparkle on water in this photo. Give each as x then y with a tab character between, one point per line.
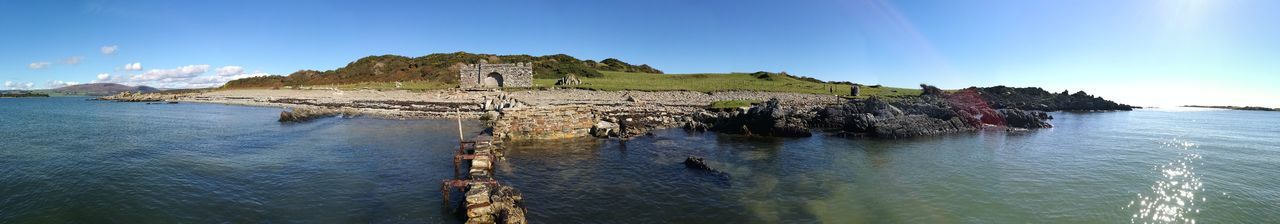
1172	198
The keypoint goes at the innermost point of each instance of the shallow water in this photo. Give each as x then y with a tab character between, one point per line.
70	160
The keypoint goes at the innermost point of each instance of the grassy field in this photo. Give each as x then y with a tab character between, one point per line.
613	81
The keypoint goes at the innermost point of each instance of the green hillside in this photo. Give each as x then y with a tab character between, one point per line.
440	71
435	68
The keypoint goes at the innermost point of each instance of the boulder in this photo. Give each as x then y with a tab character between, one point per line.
604	129
508	205
771	119
568	80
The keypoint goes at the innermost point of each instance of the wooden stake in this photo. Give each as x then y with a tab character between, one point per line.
460	138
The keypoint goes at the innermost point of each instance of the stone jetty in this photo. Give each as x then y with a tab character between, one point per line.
485	199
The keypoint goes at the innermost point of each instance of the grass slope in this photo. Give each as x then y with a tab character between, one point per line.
712	82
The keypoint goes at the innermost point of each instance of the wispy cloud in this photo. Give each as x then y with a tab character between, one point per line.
73	60
18	85
229	70
109	50
59	84
39	65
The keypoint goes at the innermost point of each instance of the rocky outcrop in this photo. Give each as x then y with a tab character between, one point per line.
774	120
1034	98
139	97
303	114
902	119
933	114
1025	118
907	126
768	119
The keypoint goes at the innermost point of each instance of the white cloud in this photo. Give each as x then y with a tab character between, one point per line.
38	65
59	84
18	85
73	60
214	81
179	74
230	70
190	76
136	66
109	50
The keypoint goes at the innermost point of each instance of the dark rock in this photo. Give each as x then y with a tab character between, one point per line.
1034	98
774	120
929	90
697	163
768	119
307	114
902	118
1024	118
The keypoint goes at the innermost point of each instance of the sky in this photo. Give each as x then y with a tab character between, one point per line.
1141	52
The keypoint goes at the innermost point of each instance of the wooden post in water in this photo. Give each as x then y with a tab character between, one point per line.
459	112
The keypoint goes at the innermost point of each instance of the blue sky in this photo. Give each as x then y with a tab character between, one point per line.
1145	52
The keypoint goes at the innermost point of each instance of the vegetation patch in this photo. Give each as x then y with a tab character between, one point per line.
435	68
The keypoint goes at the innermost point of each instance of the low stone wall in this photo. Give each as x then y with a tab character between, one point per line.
545	122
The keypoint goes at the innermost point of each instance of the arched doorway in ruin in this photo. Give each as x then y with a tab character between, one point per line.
492	80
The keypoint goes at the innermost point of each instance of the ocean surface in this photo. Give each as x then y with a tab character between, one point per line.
67	160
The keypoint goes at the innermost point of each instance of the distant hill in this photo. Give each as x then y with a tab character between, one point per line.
442	67
102	89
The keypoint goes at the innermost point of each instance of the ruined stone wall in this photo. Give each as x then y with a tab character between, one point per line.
554	122
513	75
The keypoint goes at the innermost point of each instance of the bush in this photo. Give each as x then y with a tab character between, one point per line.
930	90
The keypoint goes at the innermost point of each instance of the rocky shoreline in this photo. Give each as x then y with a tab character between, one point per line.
627	114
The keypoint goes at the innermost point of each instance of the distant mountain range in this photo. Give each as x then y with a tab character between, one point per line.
101	89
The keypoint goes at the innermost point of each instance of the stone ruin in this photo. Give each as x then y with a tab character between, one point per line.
568	80
484	75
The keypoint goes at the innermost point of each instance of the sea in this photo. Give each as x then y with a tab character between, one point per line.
70	160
